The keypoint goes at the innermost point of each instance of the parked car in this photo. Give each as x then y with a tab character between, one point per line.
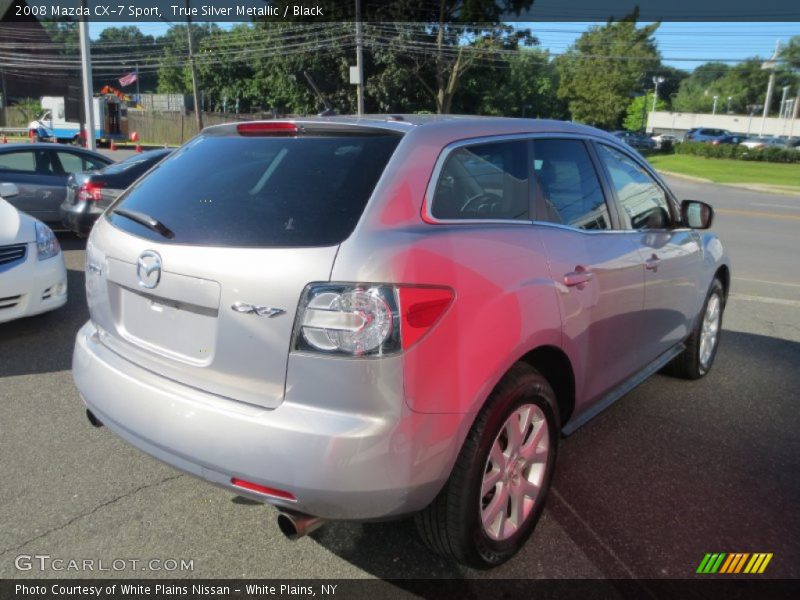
41	171
367	318
712	136
759	143
33	278
89	193
665	137
636	140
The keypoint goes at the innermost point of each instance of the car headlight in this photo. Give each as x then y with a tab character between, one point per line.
47	244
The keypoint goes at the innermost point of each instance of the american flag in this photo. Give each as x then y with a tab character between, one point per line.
128	79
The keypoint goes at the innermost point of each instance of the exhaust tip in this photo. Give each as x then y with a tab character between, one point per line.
92	419
287	526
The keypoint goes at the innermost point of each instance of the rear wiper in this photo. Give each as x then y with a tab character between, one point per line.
146	220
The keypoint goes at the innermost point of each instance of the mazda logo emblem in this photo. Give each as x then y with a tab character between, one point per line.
148	269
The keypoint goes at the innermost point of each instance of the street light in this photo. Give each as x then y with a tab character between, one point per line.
714	108
729	104
656	82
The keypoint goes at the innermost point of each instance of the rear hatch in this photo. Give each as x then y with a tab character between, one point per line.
196	272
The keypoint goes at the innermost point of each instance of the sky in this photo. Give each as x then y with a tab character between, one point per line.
682	45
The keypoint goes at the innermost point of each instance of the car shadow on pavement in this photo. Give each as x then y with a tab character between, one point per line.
673	470
44	343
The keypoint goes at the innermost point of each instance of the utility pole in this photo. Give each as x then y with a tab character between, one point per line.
769	65
86	77
714	108
198	110
359	60
138	96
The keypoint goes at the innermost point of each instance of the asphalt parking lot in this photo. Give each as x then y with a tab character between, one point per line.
673	470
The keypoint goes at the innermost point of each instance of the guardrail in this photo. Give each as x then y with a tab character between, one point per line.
13	131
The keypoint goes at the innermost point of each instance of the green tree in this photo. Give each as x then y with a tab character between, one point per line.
638	109
174	74
119	50
605	67
448	39
527	87
791	53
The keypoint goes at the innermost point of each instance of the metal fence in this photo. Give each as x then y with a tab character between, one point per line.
13	117
176	128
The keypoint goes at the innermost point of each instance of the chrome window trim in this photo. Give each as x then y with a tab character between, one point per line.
430	190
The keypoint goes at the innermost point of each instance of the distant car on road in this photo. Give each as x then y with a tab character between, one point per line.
40	172
635	140
712	136
89	193
665	137
33	278
761	142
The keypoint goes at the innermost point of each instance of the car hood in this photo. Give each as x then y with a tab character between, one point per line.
15	227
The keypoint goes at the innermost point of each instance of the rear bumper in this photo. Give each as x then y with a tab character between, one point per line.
33	287
80	217
338	464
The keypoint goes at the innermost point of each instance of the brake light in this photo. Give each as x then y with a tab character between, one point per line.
420	309
267	128
91	191
371	319
262	489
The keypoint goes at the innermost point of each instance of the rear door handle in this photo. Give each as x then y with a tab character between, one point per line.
651	264
578	278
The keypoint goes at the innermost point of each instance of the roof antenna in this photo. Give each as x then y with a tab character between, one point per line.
329	110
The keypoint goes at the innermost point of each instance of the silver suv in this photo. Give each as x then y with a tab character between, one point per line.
365	318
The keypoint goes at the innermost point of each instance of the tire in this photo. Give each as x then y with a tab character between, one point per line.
696	361
454	523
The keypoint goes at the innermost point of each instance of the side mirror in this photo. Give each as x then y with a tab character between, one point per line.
8	190
696	214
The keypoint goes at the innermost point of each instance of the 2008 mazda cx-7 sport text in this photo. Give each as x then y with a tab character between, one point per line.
366	318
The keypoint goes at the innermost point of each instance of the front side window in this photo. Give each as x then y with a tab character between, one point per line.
484	182
567	188
643	202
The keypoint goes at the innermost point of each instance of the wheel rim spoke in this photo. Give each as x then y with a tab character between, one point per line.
709	330
514	472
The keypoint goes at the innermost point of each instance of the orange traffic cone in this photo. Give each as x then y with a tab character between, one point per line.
31	136
113	146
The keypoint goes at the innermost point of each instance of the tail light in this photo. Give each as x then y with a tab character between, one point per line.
359	319
268	128
91	191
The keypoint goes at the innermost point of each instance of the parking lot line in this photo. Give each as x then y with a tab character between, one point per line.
756	213
766	299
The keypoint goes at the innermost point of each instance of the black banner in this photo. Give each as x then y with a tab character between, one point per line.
136	11
733	588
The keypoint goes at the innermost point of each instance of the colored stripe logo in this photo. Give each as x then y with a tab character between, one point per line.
731	563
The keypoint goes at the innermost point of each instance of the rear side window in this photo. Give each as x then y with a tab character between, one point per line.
260	191
22	162
567	187
485	181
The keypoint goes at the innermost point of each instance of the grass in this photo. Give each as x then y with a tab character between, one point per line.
722	170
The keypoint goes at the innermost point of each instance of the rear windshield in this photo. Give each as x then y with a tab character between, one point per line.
259	191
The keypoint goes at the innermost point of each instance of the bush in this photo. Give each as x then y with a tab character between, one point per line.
738	152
